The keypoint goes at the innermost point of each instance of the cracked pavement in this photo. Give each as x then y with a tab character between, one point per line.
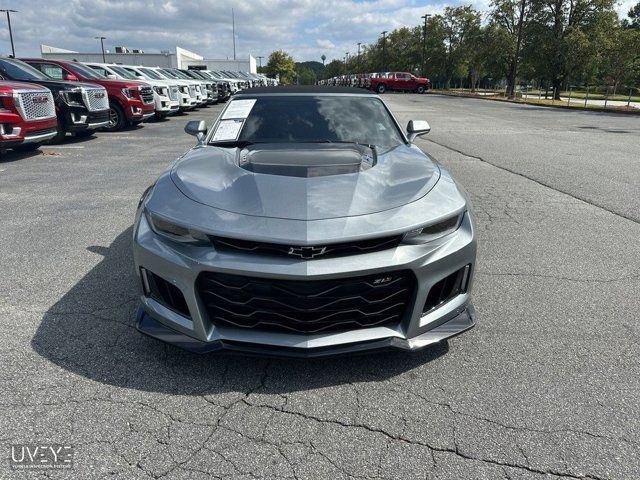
545	387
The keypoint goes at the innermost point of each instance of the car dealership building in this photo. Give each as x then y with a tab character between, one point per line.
180	58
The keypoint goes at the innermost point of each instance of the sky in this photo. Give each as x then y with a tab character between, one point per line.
306	29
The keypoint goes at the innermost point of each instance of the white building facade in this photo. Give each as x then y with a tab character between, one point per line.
181	58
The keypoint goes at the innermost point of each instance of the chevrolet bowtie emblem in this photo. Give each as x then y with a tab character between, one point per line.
307	252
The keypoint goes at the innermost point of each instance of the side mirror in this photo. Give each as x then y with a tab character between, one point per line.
197	128
111	75
416	128
70	76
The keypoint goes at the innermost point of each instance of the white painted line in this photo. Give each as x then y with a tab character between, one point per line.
55	147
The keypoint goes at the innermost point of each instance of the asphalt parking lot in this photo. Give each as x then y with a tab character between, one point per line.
546	386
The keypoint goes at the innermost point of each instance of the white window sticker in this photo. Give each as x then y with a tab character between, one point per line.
228	130
239	109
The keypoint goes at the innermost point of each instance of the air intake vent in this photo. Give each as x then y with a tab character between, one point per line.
447	288
164	292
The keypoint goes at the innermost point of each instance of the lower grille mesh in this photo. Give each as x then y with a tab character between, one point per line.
306	306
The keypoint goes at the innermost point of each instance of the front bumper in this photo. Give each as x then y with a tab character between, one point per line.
458	324
181	265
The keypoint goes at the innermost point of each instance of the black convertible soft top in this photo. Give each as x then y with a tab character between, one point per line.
284	89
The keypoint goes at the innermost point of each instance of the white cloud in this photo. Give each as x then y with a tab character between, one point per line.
305	28
322	43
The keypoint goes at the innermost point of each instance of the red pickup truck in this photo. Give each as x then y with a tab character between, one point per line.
27	116
130	101
400	81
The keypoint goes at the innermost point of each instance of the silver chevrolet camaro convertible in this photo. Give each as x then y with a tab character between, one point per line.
305	222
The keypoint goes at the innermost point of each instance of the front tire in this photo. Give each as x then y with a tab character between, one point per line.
381	88
60	135
117	120
420	89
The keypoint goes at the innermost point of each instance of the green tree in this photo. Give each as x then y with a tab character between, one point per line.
306	76
281	64
334	68
512	16
452	30
634	17
570	30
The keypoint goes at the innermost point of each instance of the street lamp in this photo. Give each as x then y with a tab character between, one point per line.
384	50
359	43
424	44
13	50
102	39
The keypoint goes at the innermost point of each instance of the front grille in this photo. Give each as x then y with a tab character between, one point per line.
306	252
146	93
95	99
35	105
306	306
173	94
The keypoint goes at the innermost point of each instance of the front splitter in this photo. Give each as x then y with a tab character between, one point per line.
148	325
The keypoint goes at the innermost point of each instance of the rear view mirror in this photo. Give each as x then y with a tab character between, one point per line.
197	128
416	128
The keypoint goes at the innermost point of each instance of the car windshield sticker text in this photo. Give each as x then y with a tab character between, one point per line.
239	109
228	130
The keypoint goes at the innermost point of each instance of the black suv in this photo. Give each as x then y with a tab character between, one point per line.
76	113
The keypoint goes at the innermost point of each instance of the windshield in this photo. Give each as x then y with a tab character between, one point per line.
85	71
151	74
168	73
16	70
123	72
179	74
313	119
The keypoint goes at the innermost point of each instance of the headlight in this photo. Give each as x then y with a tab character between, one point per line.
160	90
432	232
184	89
175	232
129	92
72	97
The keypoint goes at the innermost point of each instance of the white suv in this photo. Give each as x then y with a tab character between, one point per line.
166	100
190	96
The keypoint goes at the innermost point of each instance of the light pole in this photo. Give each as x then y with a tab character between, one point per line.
13	50
346	59
384	50
359	43
424	44
260	62
102	39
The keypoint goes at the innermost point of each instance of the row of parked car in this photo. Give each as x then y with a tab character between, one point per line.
43	100
381	81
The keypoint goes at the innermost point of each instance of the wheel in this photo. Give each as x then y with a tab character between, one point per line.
117	120
160	116
420	89
382	88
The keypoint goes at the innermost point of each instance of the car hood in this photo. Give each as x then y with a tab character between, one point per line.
213	176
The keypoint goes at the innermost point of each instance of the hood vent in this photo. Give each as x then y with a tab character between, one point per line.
306	159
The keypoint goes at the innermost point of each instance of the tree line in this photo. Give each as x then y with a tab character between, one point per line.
552	43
